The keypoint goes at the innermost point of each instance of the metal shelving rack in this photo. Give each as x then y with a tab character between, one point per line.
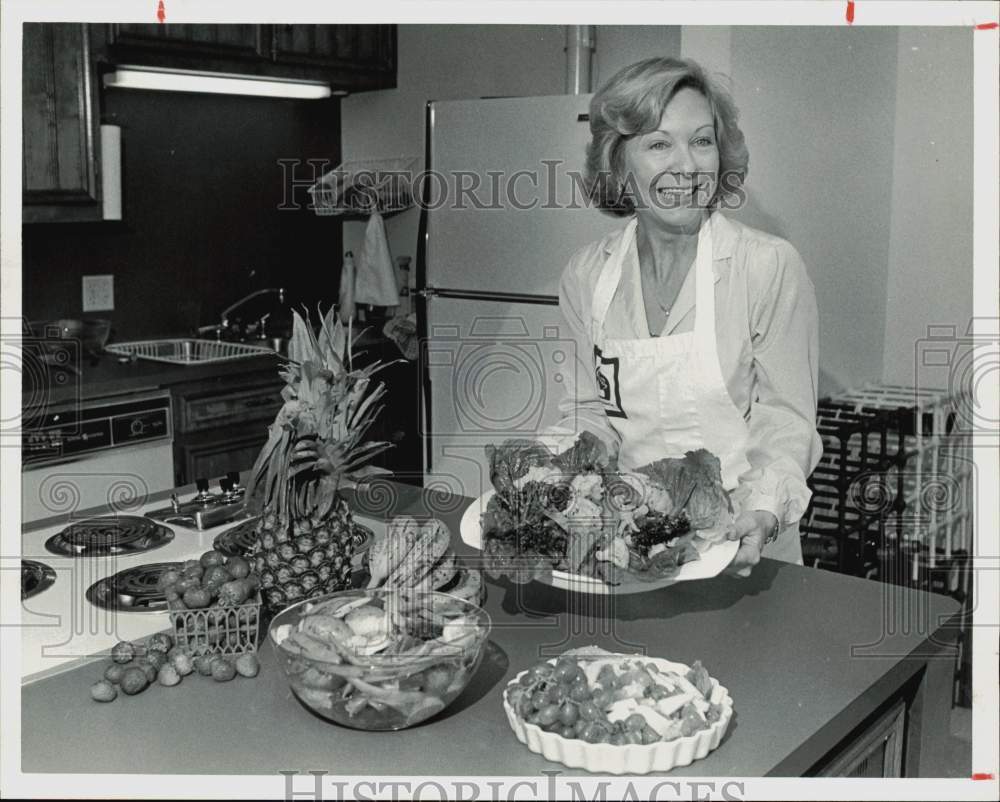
892	496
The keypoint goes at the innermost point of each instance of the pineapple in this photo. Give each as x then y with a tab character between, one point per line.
305	538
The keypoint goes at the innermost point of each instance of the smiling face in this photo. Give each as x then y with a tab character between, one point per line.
673	172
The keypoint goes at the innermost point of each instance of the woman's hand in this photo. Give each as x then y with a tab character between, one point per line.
751	529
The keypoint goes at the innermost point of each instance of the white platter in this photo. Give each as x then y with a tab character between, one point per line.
630	759
712	562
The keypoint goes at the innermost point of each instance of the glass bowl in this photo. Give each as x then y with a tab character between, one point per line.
380	659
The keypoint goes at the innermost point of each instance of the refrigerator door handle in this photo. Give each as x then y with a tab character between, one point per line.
478	295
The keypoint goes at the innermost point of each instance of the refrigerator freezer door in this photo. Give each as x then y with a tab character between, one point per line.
495	371
517	230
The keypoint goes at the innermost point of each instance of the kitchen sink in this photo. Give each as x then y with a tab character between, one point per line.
187	351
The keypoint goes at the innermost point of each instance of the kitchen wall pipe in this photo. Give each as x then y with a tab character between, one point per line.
580	44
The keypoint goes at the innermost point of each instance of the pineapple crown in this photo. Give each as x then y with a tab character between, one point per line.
318	433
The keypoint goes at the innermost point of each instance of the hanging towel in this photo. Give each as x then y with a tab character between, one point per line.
375	281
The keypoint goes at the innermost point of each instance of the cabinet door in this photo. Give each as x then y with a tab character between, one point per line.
59	125
878	752
365	48
206	41
216	453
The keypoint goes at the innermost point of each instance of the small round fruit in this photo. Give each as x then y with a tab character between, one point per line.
548	715
247	665
176	604
155	658
568	713
215	574
233	593
539	699
589	712
556	693
579	692
635	723
160	642
103	691
170	594
184	583
649	736
167	578
168	675
148	669
602	699
212	557
197	598
134	680
203	664
567	731
183	663
123	652
238	567
113	673
222	670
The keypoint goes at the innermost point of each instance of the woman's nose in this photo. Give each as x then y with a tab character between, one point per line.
681	161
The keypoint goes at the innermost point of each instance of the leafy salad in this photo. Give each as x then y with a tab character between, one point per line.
575	512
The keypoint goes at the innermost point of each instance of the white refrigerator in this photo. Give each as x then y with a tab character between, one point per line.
501	215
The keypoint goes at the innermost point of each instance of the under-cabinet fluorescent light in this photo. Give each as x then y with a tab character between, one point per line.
129	77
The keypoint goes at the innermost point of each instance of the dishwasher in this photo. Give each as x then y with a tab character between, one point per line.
112	452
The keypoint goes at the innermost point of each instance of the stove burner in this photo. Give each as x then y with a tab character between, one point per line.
237	540
240	539
35	578
132	590
123	534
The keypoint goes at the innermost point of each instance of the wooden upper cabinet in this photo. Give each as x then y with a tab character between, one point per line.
60	125
350	57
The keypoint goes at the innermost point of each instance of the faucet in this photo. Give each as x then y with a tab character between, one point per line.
229	309
223	324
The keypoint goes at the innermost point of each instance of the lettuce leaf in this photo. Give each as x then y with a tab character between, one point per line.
511	460
589	454
694	483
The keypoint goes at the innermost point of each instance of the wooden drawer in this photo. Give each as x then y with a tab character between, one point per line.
877	752
212	411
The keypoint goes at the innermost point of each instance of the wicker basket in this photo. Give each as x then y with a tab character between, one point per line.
217	629
363	187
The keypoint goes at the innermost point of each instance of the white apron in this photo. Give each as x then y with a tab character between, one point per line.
666	395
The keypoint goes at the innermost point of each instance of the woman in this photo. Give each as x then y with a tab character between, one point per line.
693	331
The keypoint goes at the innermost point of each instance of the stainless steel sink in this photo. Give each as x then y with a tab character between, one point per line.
187	351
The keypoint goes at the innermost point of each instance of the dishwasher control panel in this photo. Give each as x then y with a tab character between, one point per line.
95	426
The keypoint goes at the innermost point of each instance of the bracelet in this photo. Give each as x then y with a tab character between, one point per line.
773	534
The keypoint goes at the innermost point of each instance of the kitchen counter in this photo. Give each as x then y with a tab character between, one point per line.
807	656
108	377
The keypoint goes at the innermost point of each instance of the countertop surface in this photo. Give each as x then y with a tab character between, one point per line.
806	655
45	387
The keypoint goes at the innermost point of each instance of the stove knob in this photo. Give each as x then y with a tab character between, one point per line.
234	477
202	485
226	485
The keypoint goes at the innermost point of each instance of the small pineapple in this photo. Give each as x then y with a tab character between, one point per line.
305	538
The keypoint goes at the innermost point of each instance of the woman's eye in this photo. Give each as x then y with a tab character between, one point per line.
704	141
659	145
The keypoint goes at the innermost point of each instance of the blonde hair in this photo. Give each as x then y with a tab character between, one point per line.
632	103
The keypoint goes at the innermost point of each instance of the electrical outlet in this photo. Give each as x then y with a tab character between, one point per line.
98	293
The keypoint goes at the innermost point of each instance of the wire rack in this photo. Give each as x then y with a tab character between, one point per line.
362	187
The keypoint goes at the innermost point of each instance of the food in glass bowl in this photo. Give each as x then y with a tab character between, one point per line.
380	659
618	713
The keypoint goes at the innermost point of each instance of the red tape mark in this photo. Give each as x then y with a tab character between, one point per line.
850	12
987	26
161	12
979	775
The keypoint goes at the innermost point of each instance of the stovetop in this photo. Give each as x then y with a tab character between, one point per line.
206	509
60	626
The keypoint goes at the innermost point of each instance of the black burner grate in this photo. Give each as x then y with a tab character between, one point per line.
134	589
122	534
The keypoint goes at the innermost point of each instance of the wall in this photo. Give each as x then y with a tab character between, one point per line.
445	62
930	236
201	189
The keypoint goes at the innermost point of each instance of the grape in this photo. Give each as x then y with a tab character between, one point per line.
548	715
527	680
633	737
606	676
557	693
602	699
524	706
580	692
532	719
539	699
635	723
652	668
565	670
589	712
580	726
540	671
567	731
595	733
657	692
568	713
617	739
650	736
